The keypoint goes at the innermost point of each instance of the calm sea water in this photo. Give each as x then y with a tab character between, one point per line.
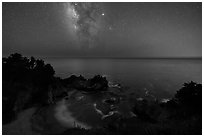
161	77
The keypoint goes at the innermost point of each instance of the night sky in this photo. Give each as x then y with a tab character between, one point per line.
102	29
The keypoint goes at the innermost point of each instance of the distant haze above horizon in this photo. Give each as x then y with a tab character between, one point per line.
130	30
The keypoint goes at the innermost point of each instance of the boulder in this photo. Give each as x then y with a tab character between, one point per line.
97	83
112	100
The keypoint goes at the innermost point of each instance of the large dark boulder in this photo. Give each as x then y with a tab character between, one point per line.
112	100
97	83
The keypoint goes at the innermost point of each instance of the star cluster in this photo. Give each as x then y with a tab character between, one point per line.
86	19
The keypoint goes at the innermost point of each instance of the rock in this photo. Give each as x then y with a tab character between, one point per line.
112	100
172	104
97	83
147	111
117	85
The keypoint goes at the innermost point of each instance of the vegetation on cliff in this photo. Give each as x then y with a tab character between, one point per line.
29	82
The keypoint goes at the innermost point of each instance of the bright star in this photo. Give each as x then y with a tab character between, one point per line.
110	28
102	14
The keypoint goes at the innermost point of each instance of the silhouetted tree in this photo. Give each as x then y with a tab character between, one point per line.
32	62
190	95
19	71
16	67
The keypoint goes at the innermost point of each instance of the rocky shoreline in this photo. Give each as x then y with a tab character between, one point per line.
105	107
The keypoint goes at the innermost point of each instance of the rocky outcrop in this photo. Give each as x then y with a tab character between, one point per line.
97	83
112	100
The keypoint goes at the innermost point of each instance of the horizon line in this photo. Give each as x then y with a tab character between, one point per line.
108	57
91	57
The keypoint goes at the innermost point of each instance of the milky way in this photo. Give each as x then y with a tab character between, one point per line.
117	29
86	20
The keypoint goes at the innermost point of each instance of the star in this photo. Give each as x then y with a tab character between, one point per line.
110	28
102	14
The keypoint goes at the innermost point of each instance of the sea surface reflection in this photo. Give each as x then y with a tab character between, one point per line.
160	77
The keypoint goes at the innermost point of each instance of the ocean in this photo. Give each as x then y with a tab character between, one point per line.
161	77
